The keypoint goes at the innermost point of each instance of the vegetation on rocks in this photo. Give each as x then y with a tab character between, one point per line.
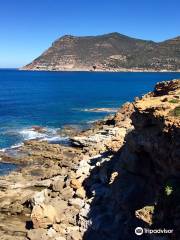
109	52
175	112
174	100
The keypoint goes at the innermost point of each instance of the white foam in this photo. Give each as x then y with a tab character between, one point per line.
55	138
92	121
49	134
3	149
100	110
29	134
17	145
12	147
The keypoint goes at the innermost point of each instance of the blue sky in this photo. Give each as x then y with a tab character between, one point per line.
28	27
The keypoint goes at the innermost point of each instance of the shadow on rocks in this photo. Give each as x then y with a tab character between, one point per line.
115	193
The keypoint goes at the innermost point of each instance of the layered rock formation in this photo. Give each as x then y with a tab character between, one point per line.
121	174
109	52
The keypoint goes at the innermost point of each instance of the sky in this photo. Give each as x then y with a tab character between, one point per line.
28	27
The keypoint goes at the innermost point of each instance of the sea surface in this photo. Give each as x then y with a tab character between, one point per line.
55	99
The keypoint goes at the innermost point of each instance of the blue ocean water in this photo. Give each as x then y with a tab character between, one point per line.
5	168
54	99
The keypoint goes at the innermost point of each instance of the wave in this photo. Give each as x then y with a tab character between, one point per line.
36	133
47	134
103	110
29	134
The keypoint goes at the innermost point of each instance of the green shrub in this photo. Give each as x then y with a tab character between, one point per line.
175	112
168	190
174	100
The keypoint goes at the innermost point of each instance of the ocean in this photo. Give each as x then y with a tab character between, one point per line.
54	99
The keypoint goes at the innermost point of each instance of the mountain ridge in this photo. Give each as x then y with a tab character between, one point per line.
108	52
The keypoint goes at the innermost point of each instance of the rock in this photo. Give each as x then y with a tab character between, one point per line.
43	216
85	210
67	193
38	129
60	206
44	234
80	192
70	229
59	228
51	233
39	197
43	183
166	87
113	177
36	234
71	175
16	208
75	184
60	238
83	168
76	202
58	185
74	235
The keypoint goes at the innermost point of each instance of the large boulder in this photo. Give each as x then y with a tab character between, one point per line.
43	216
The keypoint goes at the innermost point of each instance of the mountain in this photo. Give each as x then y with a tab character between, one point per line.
109	52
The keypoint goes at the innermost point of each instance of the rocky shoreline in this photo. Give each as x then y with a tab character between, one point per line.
106	183
97	70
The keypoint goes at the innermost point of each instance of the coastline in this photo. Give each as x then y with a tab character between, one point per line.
55	134
42	165
69	192
102	70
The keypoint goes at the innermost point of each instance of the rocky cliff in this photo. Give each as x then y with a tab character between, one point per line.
109	52
121	174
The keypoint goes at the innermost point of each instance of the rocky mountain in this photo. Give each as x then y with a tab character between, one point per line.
109	52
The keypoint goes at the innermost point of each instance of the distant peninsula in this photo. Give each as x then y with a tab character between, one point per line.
109	52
